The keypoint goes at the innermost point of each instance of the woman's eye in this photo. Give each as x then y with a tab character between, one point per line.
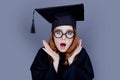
58	32
69	32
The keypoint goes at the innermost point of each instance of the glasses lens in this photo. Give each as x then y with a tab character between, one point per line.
69	34
58	33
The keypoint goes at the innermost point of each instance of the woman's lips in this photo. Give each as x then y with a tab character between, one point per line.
62	45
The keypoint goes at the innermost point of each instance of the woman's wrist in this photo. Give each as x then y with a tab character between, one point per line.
70	60
55	64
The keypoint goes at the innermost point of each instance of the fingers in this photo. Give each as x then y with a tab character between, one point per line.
47	46
80	42
48	50
78	49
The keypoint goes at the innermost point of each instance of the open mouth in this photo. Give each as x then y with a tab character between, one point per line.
62	44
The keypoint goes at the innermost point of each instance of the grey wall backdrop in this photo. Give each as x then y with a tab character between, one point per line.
99	32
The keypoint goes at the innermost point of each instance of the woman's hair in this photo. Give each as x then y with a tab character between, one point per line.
72	47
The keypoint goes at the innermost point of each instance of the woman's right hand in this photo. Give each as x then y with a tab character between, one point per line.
49	51
52	53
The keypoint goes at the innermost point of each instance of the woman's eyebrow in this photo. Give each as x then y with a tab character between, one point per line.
69	30
57	30
62	30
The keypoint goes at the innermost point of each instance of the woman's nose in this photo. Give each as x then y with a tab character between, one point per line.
63	37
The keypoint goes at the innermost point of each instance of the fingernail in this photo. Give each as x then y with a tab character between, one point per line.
43	41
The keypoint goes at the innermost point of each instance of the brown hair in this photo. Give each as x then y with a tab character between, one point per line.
73	46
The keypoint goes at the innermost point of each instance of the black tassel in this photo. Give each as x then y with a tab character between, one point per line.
33	25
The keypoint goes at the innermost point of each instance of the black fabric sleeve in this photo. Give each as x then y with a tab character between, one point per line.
41	68
85	68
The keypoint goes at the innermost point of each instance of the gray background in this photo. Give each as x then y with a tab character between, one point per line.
99	32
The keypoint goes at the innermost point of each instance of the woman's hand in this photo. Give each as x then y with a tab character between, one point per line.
75	52
53	54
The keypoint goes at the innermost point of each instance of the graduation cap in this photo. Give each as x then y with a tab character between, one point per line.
61	15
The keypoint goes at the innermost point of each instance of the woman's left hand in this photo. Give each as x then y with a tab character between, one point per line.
75	52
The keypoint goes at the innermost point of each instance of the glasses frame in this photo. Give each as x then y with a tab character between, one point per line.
64	34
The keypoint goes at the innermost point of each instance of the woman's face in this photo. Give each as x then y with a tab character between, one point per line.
63	37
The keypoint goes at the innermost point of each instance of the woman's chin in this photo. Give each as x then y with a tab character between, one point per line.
62	50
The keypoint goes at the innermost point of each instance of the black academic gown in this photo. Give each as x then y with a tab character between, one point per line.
80	69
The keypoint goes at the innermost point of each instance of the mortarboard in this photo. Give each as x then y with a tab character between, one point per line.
61	15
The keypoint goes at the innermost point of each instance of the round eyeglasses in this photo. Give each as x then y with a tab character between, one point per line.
58	34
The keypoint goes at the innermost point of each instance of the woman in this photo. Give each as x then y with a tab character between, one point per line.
63	58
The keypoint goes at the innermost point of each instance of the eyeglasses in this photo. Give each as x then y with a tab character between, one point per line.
58	34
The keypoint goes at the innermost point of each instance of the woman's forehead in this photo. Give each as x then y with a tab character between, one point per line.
64	27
